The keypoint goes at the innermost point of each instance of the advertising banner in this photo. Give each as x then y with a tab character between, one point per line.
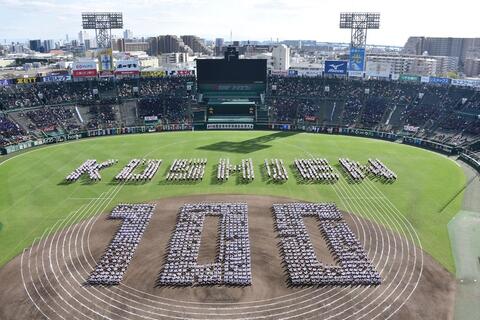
410	128
357	74
293	73
26	80
338	67
57	78
378	69
357	59
127	67
310	118
105	60
280	73
439	81
86	68
84	73
466	83
153	74
182	73
5	82
424	79
106	74
59	73
151	118
409	78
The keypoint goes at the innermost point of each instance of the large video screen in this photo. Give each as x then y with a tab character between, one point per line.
217	71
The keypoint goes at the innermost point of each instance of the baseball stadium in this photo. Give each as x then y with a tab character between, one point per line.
231	192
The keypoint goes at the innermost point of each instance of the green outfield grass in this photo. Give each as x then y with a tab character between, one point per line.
33	197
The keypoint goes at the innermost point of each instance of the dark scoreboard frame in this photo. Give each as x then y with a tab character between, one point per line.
238	71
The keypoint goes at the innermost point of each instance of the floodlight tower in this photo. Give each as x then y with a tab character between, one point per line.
359	23
102	23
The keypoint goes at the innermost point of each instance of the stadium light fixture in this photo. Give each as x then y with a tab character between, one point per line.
359	23
102	23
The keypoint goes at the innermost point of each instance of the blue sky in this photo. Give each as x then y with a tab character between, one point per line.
248	19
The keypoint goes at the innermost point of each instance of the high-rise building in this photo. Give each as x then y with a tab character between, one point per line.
153	46
88	44
281	57
48	45
127	34
219	47
166	44
196	44
82	37
436	46
36	45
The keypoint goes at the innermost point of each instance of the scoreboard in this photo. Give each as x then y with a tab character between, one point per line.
242	71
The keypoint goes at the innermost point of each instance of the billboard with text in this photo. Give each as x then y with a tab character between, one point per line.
338	67
105	60
127	67
357	59
85	68
439	81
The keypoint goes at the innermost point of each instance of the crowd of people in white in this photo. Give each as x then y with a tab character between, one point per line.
232	265
225	168
92	168
378	169
302	264
114	262
316	169
276	169
353	169
187	169
310	169
150	169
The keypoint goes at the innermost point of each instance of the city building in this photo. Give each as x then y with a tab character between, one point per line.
219	44
127	34
406	64
35	45
88	44
124	45
173	58
416	64
82	37
281	57
437	46
472	67
48	45
196	44
166	44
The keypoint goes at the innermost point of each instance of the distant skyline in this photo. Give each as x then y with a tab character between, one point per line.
247	19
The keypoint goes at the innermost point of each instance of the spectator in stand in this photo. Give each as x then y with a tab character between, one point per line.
10	132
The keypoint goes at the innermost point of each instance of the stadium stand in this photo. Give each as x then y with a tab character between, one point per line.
445	114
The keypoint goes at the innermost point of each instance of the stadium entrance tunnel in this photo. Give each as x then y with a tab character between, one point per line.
48	280
248	146
464	232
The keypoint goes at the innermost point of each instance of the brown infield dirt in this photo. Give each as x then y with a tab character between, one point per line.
60	292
